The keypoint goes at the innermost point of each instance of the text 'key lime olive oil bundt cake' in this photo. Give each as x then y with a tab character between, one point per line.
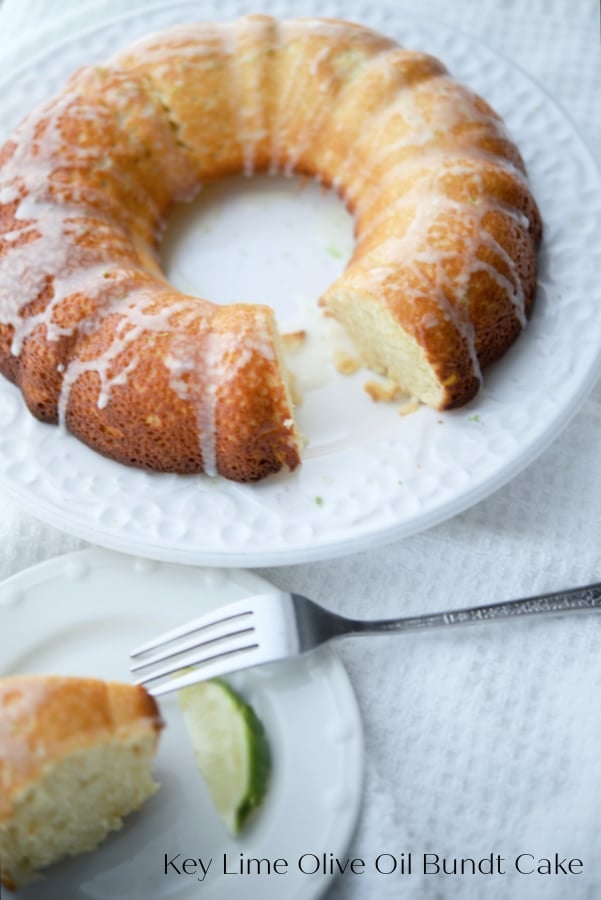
75	757
440	284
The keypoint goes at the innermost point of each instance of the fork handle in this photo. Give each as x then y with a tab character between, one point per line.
582	598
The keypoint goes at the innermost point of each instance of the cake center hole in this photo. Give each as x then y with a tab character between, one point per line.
267	239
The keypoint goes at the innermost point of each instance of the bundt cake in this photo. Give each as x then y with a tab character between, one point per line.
75	757
441	281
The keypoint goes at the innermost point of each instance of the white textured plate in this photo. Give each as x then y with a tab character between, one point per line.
81	614
369	475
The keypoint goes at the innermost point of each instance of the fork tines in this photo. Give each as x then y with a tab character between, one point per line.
212	642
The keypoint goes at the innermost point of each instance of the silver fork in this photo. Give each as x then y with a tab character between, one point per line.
277	625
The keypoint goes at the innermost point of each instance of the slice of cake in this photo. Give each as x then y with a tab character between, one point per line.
75	757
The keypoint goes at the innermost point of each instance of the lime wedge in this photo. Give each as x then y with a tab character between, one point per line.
230	747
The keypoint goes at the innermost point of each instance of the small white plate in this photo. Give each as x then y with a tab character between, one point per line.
368	475
81	614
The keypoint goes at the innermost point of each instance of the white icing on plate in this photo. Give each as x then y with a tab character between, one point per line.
369	475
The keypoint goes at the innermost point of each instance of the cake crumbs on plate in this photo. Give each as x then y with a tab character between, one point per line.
410	407
295	392
382	391
345	363
294	340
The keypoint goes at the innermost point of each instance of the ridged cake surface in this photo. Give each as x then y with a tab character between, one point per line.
440	284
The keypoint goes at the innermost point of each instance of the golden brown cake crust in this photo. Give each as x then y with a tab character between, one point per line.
44	718
96	339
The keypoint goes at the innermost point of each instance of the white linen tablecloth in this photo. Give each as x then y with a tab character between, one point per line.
485	741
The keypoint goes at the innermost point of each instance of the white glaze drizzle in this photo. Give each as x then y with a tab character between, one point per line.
316	119
286	92
217	361
22	699
241	94
54	253
455	105
20	702
427	193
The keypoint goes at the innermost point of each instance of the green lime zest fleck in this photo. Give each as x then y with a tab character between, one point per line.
334	251
473	418
319	501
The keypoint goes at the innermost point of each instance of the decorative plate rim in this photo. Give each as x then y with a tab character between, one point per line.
308	538
314	679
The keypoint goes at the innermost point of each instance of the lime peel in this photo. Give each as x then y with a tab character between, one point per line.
230	747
